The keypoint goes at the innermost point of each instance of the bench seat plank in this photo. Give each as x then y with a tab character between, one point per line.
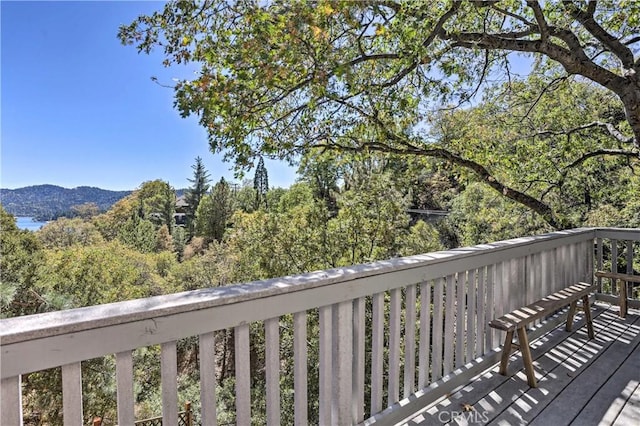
522	316
517	320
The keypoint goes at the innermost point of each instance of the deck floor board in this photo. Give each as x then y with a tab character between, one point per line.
581	381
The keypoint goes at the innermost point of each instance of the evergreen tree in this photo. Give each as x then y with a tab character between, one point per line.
198	189
261	184
214	212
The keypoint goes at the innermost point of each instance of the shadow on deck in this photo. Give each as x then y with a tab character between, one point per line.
580	381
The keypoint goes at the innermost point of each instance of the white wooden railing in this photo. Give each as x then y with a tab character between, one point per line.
435	344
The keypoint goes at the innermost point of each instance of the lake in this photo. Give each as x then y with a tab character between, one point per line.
28	223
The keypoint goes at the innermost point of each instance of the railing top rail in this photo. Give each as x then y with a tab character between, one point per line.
31	327
618	233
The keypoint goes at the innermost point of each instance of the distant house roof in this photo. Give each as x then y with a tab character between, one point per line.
181	201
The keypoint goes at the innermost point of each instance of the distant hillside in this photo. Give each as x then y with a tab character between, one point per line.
47	202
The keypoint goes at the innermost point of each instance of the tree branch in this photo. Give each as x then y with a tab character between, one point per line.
599	152
612	43
539	15
607	127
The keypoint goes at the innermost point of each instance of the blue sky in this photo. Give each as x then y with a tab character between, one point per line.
80	109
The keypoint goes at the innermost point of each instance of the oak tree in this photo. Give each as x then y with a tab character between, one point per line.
279	78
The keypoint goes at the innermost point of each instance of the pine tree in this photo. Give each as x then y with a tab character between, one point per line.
214	212
199	188
261	184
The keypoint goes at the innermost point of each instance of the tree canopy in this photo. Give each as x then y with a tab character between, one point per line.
278	78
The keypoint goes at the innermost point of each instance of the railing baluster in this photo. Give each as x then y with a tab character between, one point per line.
169	375
208	378
243	374
377	351
599	254
299	368
489	332
471	314
358	359
272	366
326	370
393	395
449	316
124	383
629	266
410	341
11	401
438	315
425	334
481	304
72	394
460	314
343	353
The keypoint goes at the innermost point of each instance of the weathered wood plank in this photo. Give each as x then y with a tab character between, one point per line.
542	307
630	413
592	393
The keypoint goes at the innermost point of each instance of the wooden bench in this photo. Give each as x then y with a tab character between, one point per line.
517	320
622	289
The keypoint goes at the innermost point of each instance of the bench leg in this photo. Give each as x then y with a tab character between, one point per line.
622	297
570	315
506	352
526	357
587	316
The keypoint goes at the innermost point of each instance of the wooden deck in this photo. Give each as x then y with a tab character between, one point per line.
580	382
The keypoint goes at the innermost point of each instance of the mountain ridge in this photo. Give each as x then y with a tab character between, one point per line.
47	201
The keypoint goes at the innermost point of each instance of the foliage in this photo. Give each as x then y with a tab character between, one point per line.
63	233
139	234
279	78
261	184
92	275
193	195
20	255
214	212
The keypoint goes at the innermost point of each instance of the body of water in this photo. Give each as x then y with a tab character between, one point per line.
28	223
